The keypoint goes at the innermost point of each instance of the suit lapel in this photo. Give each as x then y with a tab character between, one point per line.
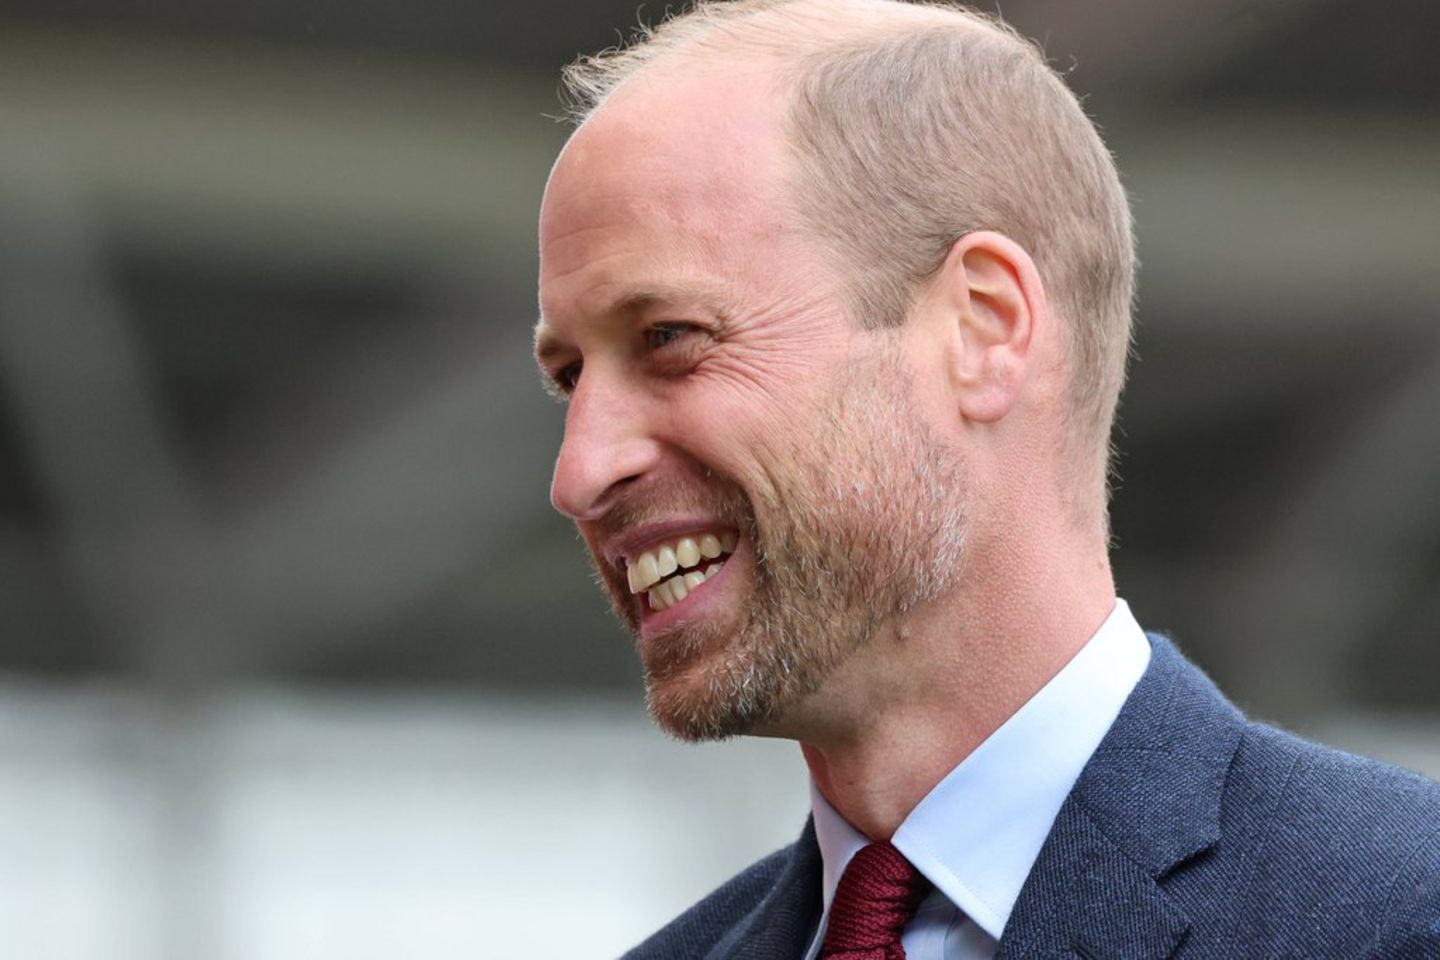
1147	802
1086	899
783	923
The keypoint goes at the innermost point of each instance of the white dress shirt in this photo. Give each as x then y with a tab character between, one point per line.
976	835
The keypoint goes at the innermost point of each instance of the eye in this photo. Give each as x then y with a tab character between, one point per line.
664	335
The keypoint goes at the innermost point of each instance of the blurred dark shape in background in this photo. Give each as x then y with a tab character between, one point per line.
268	422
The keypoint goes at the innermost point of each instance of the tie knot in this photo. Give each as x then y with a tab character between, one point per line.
875	899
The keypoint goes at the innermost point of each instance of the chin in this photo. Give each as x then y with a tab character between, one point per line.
723	695
706	705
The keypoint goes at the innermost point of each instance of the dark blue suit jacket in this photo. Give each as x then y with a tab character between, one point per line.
1191	833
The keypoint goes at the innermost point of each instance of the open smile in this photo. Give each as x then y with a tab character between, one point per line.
669	572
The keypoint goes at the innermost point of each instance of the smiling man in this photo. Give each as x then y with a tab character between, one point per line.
837	293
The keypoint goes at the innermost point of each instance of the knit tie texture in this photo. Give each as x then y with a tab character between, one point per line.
876	897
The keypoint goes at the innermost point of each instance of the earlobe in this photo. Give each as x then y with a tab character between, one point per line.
992	291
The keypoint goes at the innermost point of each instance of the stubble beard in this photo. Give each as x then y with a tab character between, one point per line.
864	522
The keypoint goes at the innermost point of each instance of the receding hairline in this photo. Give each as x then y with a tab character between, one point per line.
785	36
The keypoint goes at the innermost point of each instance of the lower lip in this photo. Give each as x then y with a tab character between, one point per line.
698	603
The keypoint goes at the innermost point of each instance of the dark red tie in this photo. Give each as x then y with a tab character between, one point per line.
875	899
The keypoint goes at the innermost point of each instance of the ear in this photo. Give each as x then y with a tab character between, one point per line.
991	292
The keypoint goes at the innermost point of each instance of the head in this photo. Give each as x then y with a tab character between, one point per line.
841	288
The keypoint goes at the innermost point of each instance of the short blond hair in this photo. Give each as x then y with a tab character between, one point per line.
937	123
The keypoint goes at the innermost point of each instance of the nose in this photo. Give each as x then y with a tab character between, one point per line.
607	445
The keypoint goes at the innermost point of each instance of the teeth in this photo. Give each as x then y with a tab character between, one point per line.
655	565
672	591
649	572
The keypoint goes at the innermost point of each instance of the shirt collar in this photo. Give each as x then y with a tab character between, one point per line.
976	835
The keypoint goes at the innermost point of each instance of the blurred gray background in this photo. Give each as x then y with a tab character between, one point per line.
295	661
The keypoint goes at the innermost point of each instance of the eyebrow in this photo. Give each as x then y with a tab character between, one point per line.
548	344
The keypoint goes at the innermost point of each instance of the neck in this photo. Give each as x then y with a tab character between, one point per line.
908	709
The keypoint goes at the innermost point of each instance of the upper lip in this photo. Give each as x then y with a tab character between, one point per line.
637	540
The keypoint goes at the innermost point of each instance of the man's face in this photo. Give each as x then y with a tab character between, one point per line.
757	485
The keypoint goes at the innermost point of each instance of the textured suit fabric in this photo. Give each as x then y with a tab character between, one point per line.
1192	833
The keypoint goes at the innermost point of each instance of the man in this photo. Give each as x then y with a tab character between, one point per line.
838	295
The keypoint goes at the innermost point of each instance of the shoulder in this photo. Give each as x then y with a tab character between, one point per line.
1261	837
1314	792
1332	784
695	931
1292	792
1333	832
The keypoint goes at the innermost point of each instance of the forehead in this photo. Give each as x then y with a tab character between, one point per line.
675	177
689	135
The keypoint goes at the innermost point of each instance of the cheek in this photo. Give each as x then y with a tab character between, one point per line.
749	402
752	436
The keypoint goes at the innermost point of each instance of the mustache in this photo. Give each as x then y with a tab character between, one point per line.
717	498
